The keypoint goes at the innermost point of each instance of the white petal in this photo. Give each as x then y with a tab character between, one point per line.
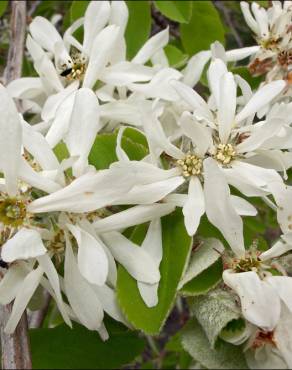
216	70
201	136
194	208
10	140
266	131
35	179
242	53
80	294
260	303
87	193
136	261
256	176
124	73
28	287
227	106
150	193
92	259
219	208
194	69
262	97
11	283
283	286
159	86
248	17
81	137
119	14
155	43
51	272
96	17
25	244
39	148
243	207
133	216
102	48
109	302
26	88
44	33
276	250
282	335
192	98
61	122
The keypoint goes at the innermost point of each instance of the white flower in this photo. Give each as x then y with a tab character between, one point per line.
271	350
272	31
261	292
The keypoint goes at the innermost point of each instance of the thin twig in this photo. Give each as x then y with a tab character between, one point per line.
226	12
15	347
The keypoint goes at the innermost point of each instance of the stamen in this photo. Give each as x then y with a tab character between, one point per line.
191	165
225	153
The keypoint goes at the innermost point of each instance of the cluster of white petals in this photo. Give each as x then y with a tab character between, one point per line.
62	221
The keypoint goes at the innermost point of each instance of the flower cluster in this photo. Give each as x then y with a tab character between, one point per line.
66	210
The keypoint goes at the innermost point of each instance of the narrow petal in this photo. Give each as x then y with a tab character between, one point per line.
192	98
28	287
152	244
155	43
80	294
92	259
262	97
80	137
219	209
194	69
109	302
260	303
201	136
119	14
133	216
194	207
216	70
96	17
44	33
10	140
283	286
243	207
11	283
136	261
102	48
51	272
227	106
25	244
124	73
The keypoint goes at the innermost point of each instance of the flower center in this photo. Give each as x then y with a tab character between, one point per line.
225	153
263	338
250	263
191	165
12	211
270	43
77	69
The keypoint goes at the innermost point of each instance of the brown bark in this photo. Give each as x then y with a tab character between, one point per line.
15	347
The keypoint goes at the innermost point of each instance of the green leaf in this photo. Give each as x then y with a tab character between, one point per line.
61	151
64	348
3	7
139	26
204	28
103	151
176	250
205	281
225	356
78	9
179	11
214	311
175	56
208	252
